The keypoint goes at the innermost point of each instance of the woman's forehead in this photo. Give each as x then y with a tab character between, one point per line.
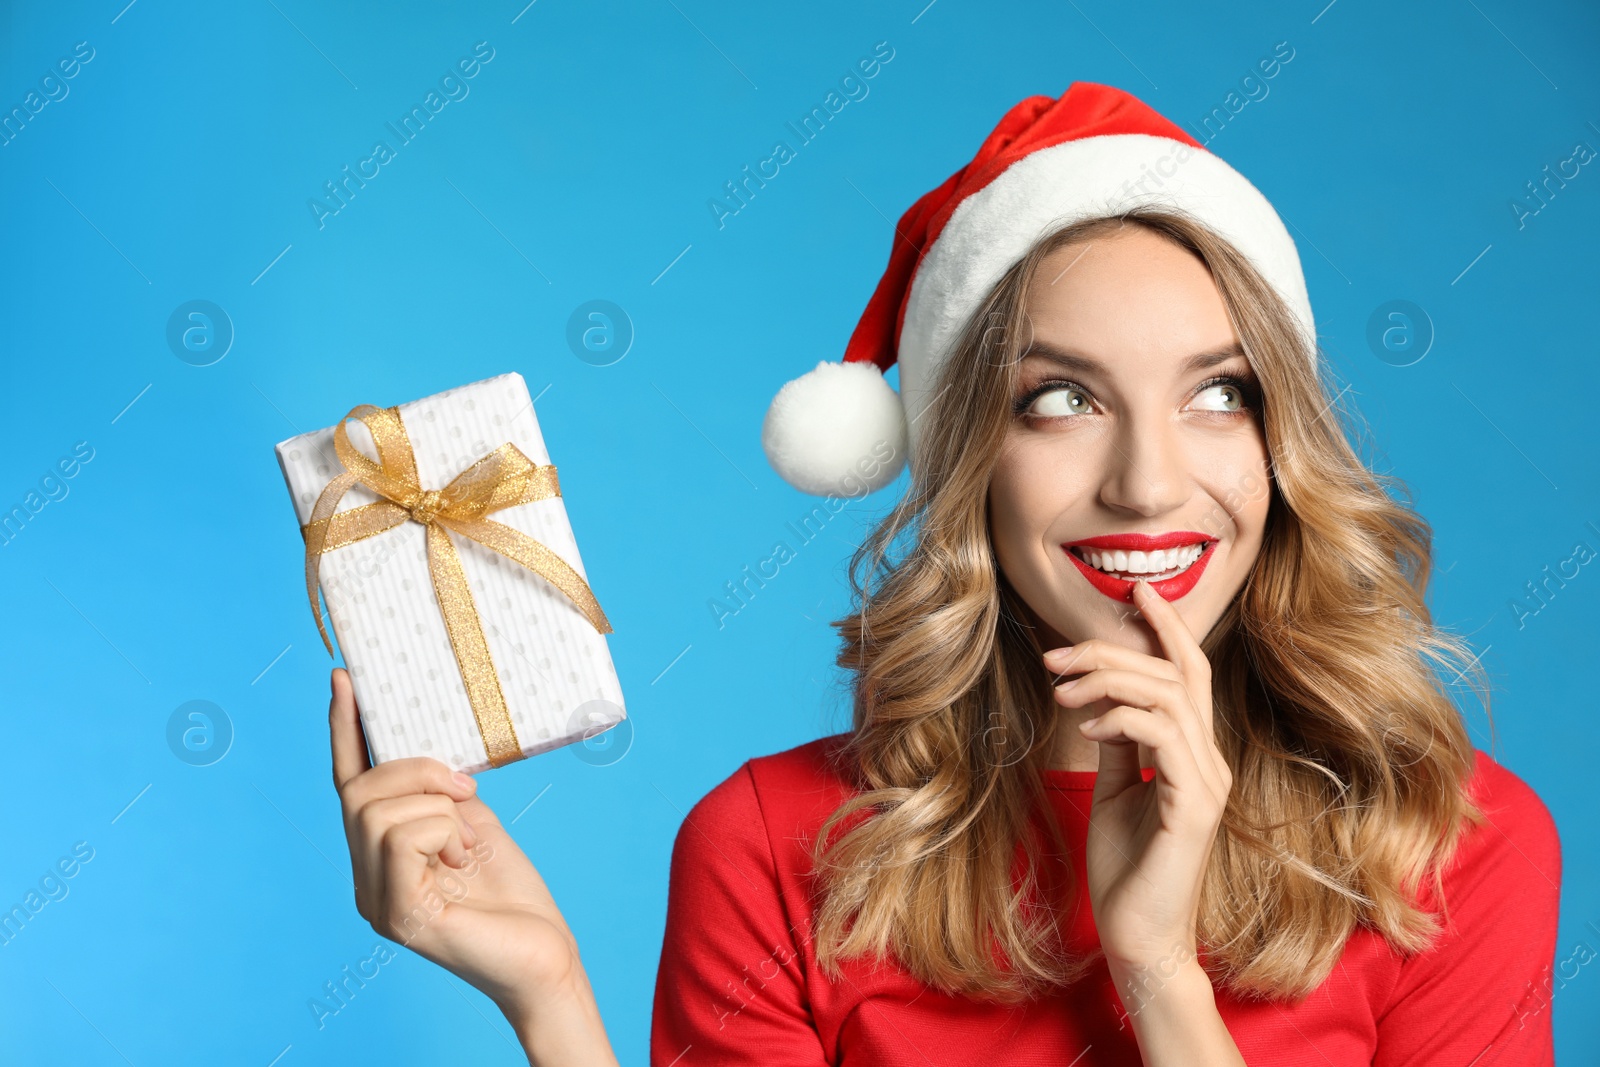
1096	297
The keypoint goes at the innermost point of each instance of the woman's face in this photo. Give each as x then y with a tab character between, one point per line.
1135	448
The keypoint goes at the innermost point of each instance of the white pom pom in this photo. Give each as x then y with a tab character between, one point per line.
837	430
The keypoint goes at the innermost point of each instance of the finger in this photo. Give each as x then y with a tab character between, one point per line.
408	854
485	823
1123	726
1171	698
1179	644
376	819
1097	654
1177	641
344	725
1124	687
1119	764
414	774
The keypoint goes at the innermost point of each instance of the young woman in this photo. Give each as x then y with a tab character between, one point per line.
1154	758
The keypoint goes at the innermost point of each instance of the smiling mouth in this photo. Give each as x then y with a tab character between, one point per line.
1171	563
1155	565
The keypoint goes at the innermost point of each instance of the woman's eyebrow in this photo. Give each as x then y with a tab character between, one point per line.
1210	358
1080	364
1069	360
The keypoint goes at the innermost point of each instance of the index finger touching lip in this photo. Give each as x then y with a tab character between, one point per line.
1176	639
344	725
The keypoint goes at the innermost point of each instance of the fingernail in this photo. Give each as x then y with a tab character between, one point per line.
465	781
1056	655
1064	686
469	836
1085	724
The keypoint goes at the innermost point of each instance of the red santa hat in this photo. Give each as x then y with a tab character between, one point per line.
1096	151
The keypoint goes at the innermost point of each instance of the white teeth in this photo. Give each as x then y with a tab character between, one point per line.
1158	562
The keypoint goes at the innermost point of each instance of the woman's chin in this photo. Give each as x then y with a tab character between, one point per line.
1125	629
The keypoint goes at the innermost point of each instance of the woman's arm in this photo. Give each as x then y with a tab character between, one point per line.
1150	842
562	1026
1175	1020
435	871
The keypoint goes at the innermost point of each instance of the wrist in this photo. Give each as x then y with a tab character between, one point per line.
1178	1021
561	1025
1175	985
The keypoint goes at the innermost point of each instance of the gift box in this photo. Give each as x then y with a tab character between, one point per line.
438	536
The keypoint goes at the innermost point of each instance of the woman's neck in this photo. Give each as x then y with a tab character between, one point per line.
1073	751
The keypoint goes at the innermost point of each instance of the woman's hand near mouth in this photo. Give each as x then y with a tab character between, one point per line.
1150	842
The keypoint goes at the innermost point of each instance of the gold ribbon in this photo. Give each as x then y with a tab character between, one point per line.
502	479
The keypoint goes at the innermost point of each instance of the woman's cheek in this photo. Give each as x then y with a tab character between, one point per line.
1234	474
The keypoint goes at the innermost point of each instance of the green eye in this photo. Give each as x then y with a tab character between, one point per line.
1065	400
1221	397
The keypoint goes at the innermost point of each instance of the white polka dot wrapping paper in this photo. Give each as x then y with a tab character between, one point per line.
554	667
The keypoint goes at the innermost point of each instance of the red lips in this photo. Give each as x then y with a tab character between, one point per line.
1121	589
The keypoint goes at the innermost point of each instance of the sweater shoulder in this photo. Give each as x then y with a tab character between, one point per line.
812	766
1514	855
1512	807
779	791
800	787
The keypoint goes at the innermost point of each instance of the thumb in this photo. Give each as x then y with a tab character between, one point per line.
481	816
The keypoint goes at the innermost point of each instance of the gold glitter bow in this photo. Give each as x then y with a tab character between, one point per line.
502	479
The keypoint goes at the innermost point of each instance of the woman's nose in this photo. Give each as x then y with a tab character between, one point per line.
1145	470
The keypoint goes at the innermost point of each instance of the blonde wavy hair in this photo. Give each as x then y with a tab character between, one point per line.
1348	754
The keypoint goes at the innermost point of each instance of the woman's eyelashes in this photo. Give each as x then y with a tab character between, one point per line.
1224	394
1227	394
1053	399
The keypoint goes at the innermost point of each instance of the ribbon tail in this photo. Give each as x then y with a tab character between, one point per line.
518	546
471	649
316	534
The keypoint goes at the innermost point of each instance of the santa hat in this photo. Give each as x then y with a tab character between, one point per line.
1096	151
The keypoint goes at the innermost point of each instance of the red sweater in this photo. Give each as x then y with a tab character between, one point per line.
739	983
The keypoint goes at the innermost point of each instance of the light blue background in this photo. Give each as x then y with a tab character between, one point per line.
179	167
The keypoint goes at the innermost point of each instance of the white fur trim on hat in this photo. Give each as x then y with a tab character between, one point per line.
837	430
993	228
